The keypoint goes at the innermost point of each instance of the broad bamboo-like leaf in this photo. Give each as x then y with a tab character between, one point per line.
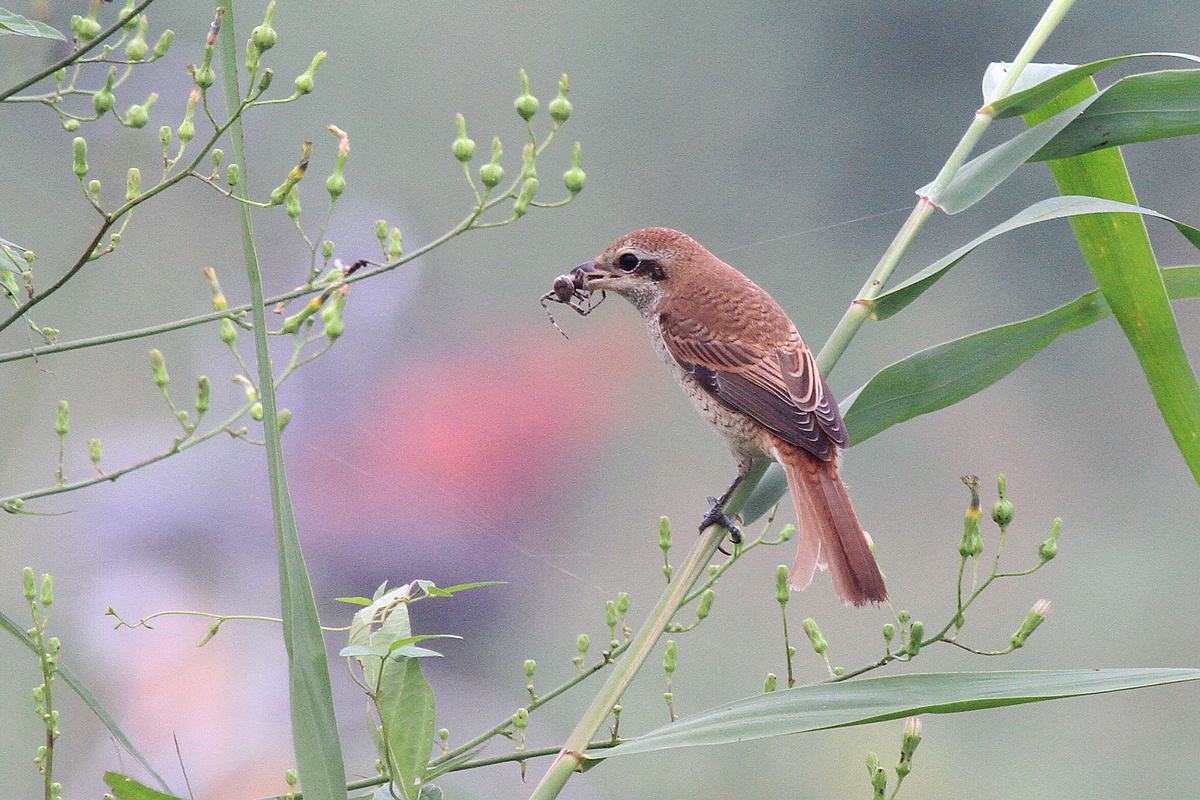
12	24
1041	83
1137	108
85	694
893	300
315	739
1140	108
406	709
836	705
1117	249
945	374
126	788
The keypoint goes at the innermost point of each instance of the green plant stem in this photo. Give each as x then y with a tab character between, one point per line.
860	310
314	725
111	218
75	55
469	222
185	444
571	755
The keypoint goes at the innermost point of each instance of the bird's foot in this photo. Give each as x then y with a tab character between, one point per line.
716	516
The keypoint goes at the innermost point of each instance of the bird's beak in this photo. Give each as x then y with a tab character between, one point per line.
592	275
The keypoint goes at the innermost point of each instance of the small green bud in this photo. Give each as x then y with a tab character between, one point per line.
291	777
787	533
610	613
28	584
203	394
395	243
327	248
915	634
971	544
137	48
530	667
782	592
903	616
770	683
233	174
879	782
256	412
526	104
521	719
264	80
491	173
164	43
94	189
332	314
165	135
381	231
70	125
284	417
47	597
133	184
204	76
706	601
872	764
292	324
444	736
228	331
335	184
159	366
292	203
839	672
463	146
1035	617
218	156
1049	548
95	452
187	130
664	533
528	162
139	115
670	657
62	419
79	150
560	107
574	177
910	739
1002	510
582	643
889	632
528	190
103	99
304	82
88	28
264	37
622	602
819	645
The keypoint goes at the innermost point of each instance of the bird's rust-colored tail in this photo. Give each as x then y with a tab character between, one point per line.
829	530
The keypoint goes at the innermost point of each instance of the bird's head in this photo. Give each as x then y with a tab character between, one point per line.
642	265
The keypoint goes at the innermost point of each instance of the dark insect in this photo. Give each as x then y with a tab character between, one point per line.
570	290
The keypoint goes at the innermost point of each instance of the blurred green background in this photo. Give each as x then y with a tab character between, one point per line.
454	435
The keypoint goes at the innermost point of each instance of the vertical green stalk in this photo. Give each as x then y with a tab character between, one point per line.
571	757
314	727
860	309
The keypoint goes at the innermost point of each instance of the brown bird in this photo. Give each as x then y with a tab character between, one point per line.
746	369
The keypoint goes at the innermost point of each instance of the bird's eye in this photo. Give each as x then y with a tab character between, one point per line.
628	262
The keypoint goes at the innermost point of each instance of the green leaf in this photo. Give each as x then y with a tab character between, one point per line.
947	373
1139	108
893	300
357	601
12	24
836	705
1047	81
71	679
315	739
1117	249
406	709
126	788
438	591
399	643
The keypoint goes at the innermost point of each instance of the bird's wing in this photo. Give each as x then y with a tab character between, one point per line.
777	386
